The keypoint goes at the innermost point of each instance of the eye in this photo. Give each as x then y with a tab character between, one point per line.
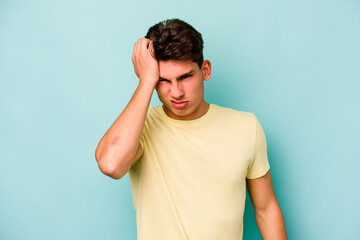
163	80
185	76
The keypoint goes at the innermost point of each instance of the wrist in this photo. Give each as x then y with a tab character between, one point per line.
147	85
148	82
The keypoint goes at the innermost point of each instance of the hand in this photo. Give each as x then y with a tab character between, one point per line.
145	64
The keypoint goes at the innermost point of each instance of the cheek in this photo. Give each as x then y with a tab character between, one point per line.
161	90
194	87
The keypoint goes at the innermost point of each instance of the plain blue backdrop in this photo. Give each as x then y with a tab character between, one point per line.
66	74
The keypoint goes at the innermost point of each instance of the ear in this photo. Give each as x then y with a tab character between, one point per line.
206	69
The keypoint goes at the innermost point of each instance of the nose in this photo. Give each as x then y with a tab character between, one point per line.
177	91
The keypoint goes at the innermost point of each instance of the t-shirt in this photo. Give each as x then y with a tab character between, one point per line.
190	182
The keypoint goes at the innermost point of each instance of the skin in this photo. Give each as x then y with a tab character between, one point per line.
268	215
181	81
119	148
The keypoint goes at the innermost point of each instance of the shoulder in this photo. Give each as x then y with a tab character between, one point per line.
154	109
233	114
154	115
154	112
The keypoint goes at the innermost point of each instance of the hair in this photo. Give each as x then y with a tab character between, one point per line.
174	39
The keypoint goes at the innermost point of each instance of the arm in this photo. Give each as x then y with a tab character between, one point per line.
119	148
268	214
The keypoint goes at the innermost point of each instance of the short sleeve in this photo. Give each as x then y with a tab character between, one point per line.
142	143
259	165
142	139
144	135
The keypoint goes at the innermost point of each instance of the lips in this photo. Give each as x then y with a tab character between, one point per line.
179	104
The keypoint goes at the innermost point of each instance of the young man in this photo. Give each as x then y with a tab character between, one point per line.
189	161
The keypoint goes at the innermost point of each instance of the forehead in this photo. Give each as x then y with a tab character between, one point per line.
174	68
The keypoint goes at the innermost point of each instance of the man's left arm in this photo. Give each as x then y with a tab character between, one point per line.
268	215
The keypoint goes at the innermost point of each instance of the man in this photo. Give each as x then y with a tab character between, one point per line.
189	161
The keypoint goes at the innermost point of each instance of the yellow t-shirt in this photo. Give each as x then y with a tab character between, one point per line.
190	182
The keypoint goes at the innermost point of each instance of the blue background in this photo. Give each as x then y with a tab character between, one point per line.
66	74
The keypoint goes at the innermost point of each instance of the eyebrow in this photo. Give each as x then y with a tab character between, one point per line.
178	78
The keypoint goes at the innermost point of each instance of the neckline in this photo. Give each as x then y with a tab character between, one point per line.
196	121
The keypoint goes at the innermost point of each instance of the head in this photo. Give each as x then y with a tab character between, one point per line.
174	39
179	49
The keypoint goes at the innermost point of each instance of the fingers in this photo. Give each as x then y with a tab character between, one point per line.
142	46
144	43
134	52
151	49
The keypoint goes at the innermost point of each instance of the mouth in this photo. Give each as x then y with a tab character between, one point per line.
179	104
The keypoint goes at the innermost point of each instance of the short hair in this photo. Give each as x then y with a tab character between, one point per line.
174	39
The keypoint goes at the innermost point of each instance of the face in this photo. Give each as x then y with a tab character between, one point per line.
181	88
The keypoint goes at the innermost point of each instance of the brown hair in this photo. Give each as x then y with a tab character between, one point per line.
174	39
